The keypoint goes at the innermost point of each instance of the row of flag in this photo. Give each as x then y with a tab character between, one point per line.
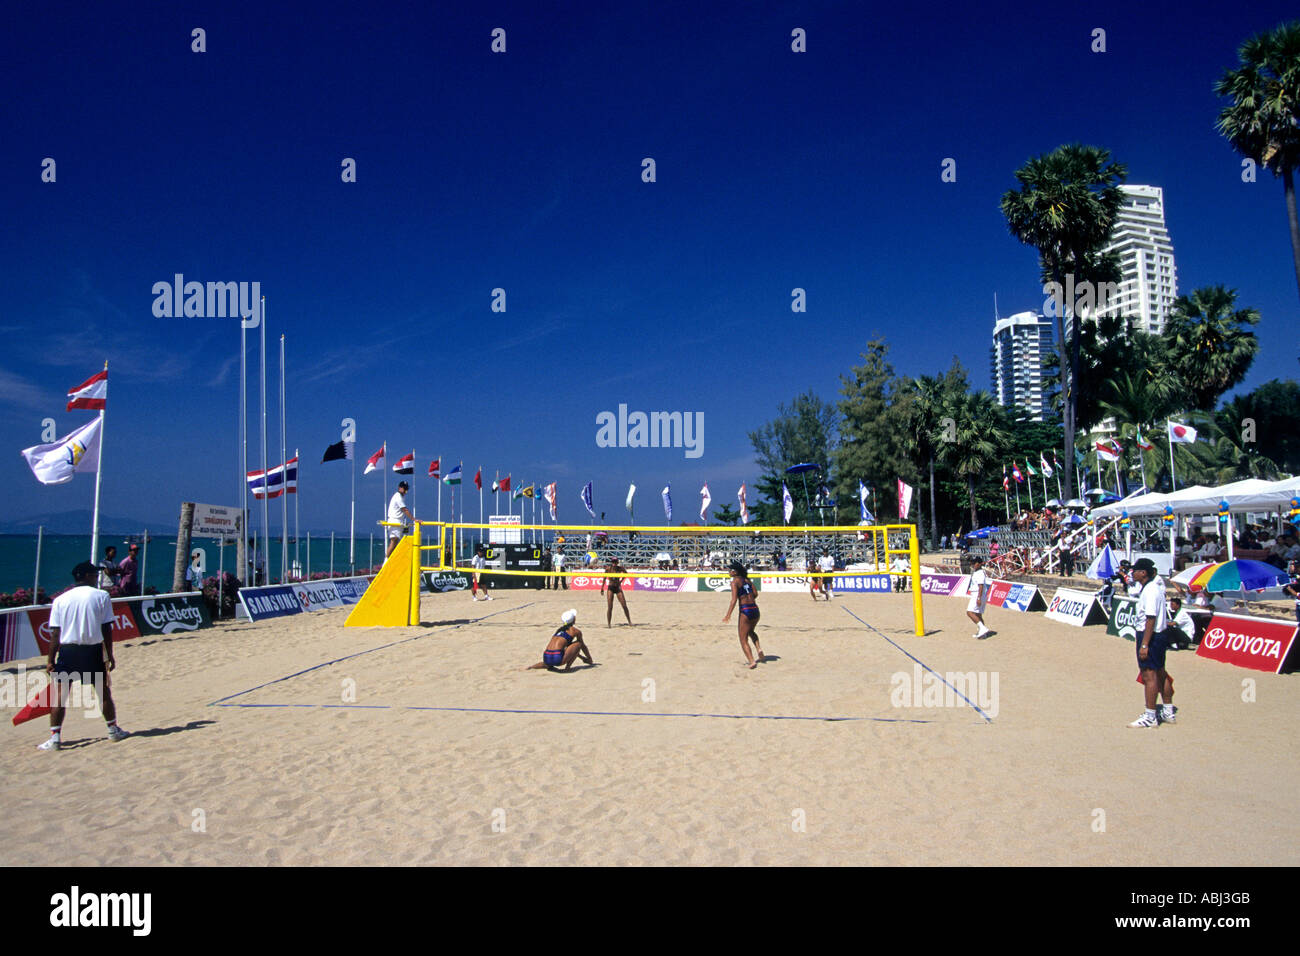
56	462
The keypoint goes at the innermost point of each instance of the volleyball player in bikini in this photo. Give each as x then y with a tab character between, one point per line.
744	593
615	586
566	645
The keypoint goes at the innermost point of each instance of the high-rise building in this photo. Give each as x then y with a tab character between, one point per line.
1149	282
1020	344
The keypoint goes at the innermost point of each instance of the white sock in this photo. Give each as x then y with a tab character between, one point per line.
1150	713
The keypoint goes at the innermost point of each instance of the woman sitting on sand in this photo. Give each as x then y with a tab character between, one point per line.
566	645
743	591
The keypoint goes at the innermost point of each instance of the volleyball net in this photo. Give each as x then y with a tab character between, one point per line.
818	553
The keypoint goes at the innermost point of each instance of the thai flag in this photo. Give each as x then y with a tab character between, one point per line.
279	480
92	393
375	460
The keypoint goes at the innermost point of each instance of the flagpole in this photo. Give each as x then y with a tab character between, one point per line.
284	479
1030	485
352	516
266	502
1013	465
1058	475
241	547
1173	477
296	560
480	496
496	493
99	470
384	513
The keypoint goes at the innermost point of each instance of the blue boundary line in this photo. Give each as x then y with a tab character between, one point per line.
371	650
584	713
925	665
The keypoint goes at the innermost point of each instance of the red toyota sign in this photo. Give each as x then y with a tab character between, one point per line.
124	628
1251	642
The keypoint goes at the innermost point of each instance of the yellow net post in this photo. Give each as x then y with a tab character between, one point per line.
914	550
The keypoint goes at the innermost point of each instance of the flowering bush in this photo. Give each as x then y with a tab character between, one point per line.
227	587
23	597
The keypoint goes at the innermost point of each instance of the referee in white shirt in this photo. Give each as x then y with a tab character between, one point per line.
81	635
1152	620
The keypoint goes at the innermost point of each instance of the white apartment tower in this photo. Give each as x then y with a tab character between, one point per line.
1020	343
1149	279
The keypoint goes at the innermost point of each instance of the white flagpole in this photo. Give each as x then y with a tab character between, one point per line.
496	494
438	480
296	560
1173	477
242	544
284	479
352	516
383	514
99	470
480	497
266	502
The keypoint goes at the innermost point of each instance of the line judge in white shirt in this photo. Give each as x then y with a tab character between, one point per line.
81	635
398	514
1152	620
979	595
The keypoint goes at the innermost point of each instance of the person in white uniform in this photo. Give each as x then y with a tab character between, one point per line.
979	595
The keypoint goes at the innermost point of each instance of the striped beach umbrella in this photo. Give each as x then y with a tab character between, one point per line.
1238	575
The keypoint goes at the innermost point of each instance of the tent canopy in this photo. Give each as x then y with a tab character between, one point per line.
1251	494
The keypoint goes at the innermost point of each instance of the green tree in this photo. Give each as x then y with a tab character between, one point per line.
803	431
928	420
1262	121
724	515
1265	420
980	438
1066	206
872	435
1210	346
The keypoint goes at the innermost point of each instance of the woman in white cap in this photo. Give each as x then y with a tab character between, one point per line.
565	646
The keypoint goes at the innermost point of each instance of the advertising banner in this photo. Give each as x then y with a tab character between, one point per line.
124	628
1250	642
167	615
722	584
784	583
1123	618
314	595
1012	596
351	589
863	583
17	642
276	600
674	584
941	584
447	580
1076	608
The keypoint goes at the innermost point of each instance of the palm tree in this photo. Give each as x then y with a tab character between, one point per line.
1261	121
1210	346
1066	207
980	436
926	414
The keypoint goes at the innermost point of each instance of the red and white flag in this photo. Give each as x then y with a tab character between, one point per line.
375	460
1109	450
92	393
549	495
434	467
744	505
1181	434
406	464
904	499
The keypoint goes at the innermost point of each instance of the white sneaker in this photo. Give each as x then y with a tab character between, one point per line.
1168	714
117	733
1146	720
51	744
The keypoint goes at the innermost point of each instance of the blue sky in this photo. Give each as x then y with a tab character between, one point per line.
522	171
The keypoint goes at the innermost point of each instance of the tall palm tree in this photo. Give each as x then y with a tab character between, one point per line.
981	436
1261	122
931	398
1066	206
1210	346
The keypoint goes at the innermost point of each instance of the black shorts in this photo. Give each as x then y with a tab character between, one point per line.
84	662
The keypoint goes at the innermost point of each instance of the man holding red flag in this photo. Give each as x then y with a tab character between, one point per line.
81	636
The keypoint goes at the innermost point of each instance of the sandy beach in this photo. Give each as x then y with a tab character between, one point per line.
297	741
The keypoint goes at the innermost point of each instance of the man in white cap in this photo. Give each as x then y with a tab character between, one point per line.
565	646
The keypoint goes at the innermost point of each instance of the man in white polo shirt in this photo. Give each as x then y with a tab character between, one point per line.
398	514
979	595
81	634
1152	620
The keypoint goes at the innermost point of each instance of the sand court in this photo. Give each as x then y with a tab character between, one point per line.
295	741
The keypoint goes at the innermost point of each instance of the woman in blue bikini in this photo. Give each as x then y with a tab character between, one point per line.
744	592
565	646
